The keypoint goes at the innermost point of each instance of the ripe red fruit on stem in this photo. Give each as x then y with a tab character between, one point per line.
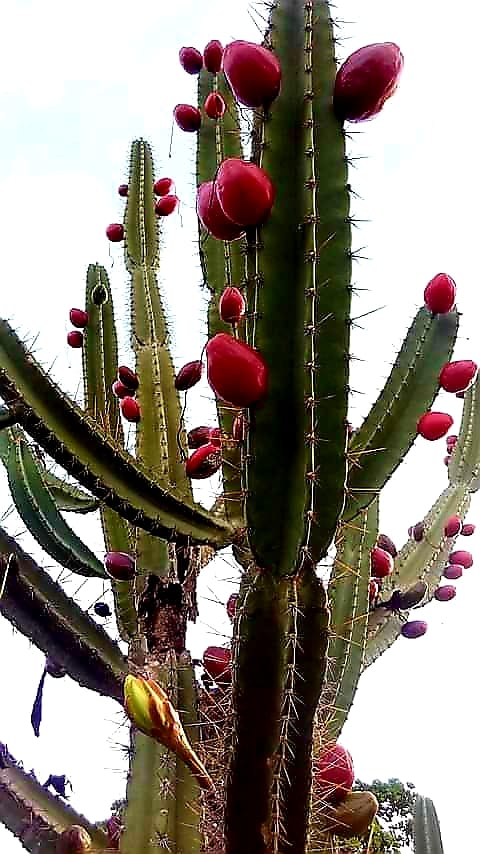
245	192
127	377
115	232
212	217
453	526
333	772
123	190
232	606
120	390
163	186
253	73
414	629
434	425
366	80
440	294
198	436
188	118
445	593
78	318
232	305
458	376
214	106
453	571
204	462
166	205
217	663
468	530
462	558
236	372
189	375
384	542
130	409
212	56
191	60
381	563
120	566
75	339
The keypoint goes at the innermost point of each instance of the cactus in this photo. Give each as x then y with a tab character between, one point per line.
428	839
231	767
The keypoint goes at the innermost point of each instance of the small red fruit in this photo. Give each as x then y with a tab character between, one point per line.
414	629
245	192
240	427
166	205
214	106
445	593
215	437
75	339
468	530
212	217
163	186
78	318
417	532
115	232
453	526
189	375
373	589
120	566
123	190
127	377
191	60
253	73
333	772
232	606
434	425
198	436
188	118
385	543
453	571
440	294
366	80
451	442
232	305
236	372
458	376
120	390
130	409
381	563
446	460
217	663
212	56
204	462
462	558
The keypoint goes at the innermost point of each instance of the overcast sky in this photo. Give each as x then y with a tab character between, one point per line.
78	82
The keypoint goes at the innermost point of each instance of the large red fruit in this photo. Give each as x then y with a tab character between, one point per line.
189	375
440	294
214	106
333	772
163	186
458	376
115	232
245	192
75	339
166	205
191	60
236	372
381	563
204	462
461	558
78	318
253	73
232	305
130	409
366	79
127	377
120	390
217	663
188	118
212	217
120	566
434	425
212	56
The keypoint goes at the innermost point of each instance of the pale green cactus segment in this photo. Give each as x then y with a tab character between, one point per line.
426	827
78	444
39	512
141	227
118	537
349	603
465	460
188	838
390	428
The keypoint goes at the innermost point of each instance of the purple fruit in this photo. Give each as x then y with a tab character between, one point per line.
102	609
464	558
119	566
468	530
445	593
453	571
414	629
418	532
453	526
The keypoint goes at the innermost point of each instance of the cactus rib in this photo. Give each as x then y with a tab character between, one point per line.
426	827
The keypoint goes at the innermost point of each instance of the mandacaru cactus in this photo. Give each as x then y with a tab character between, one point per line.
246	760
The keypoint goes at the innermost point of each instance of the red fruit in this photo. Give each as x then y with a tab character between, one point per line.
115	232
215	437
417	532
119	566
163	186
462	558
75	339
445	593
468	530
458	376
231	306
214	106
236	372
232	606
381	563
434	425
366	80
188	118
453	526
120	390
245	191
191	60
127	377
446	460
440	294
130	409
204	462
385	543
333	772
414	629
239	427
253	73
211	215
166	205
78	318
217	663
189	375
212	56
373	589
198	436
451	442
123	190
453	571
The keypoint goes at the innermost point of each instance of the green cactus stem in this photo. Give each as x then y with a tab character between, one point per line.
465	461
187	793
426	827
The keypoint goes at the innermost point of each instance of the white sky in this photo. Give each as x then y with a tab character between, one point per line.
77	84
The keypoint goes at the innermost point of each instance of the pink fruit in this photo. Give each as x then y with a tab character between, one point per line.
189	375
462	558
127	377
451	442
130	409
217	663
232	305
239	427
236	372
366	80
75	339
214	106
212	217
166	205
123	190
232	605
245	192
414	629
468	530
198	436
188	118
453	526
120	390
333	772
204	462
458	376
191	60
120	566
385	543
212	56
440	294
78	318
453	571
445	593
381	563
373	589
434	425
115	232
253	73
163	186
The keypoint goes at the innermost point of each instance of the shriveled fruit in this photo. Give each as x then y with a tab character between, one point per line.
253	73
381	563
120	566
78	318
212	56
434	425
354	815
198	436
74	840
127	377
232	305
54	669
468	529
130	409
204	462
189	375
187	117
384	542
453	526
166	205
458	376
417	532
217	663
446	460
414	629
75	339
236	372
191	60
244	191
453	571
214	106
102	609
373	590
462	558
120	390
403	600
439	295
123	190
333	773
115	232
445	593
240	427
367	78
163	186
232	605
212	216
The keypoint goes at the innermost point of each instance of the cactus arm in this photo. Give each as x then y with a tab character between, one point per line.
117	536
465	461
188	810
39	608
390	428
426	827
